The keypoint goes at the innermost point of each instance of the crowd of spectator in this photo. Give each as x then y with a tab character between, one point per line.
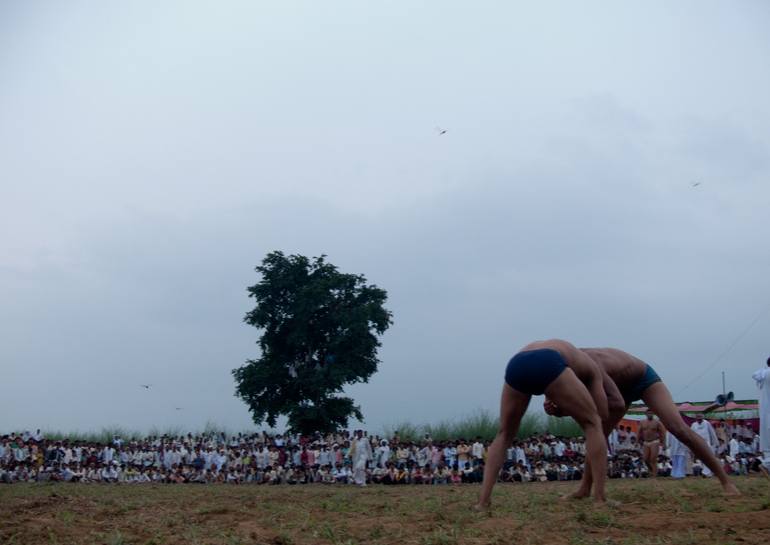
736	447
262	458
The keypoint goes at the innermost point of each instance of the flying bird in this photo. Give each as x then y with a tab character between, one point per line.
145	386
178	408
440	131
695	184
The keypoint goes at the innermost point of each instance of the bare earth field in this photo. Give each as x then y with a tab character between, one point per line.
652	512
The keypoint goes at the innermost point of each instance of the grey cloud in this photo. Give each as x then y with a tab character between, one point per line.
143	180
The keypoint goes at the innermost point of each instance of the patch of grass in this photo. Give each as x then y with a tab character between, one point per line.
715	507
67	517
283	539
232	539
441	536
597	519
377	531
116	538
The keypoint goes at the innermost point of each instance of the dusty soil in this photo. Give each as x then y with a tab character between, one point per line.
651	512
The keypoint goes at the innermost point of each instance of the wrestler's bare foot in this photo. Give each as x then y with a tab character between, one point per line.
578	495
482	507
731	490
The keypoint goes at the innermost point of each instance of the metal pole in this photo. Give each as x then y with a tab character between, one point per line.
724	392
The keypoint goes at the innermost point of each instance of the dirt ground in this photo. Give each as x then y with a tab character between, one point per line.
651	512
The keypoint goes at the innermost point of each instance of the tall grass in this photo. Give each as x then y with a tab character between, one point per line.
479	424
565	427
105	435
483	424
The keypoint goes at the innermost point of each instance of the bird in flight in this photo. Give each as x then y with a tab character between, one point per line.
695	184
145	386
179	408
440	131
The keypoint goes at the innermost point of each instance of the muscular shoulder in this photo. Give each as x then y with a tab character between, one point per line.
616	362
568	350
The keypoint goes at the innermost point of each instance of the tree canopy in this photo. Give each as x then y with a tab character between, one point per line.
320	331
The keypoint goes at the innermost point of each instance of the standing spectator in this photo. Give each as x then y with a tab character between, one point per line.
613	441
450	455
477	451
423	455
679	454
436	453
463	454
762	378
706	431
402	456
108	453
735	446
361	454
382	456
520	455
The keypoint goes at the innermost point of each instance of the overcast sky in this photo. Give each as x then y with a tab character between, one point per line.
151	154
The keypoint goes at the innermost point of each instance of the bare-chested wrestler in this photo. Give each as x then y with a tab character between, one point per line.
551	368
637	380
653	435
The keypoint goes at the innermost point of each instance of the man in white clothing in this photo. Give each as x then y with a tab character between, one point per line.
706	432
383	453
361	454
762	378
477	451
679	454
613	441
108	454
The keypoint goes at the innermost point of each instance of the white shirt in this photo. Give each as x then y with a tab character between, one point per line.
521	456
383	453
762	378
706	432
363	452
735	447
477	450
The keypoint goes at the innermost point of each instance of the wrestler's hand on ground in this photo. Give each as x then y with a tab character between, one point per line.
552	408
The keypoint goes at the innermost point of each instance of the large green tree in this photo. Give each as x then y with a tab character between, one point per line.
320	331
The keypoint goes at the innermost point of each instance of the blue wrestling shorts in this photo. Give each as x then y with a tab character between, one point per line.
634	393
530	372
